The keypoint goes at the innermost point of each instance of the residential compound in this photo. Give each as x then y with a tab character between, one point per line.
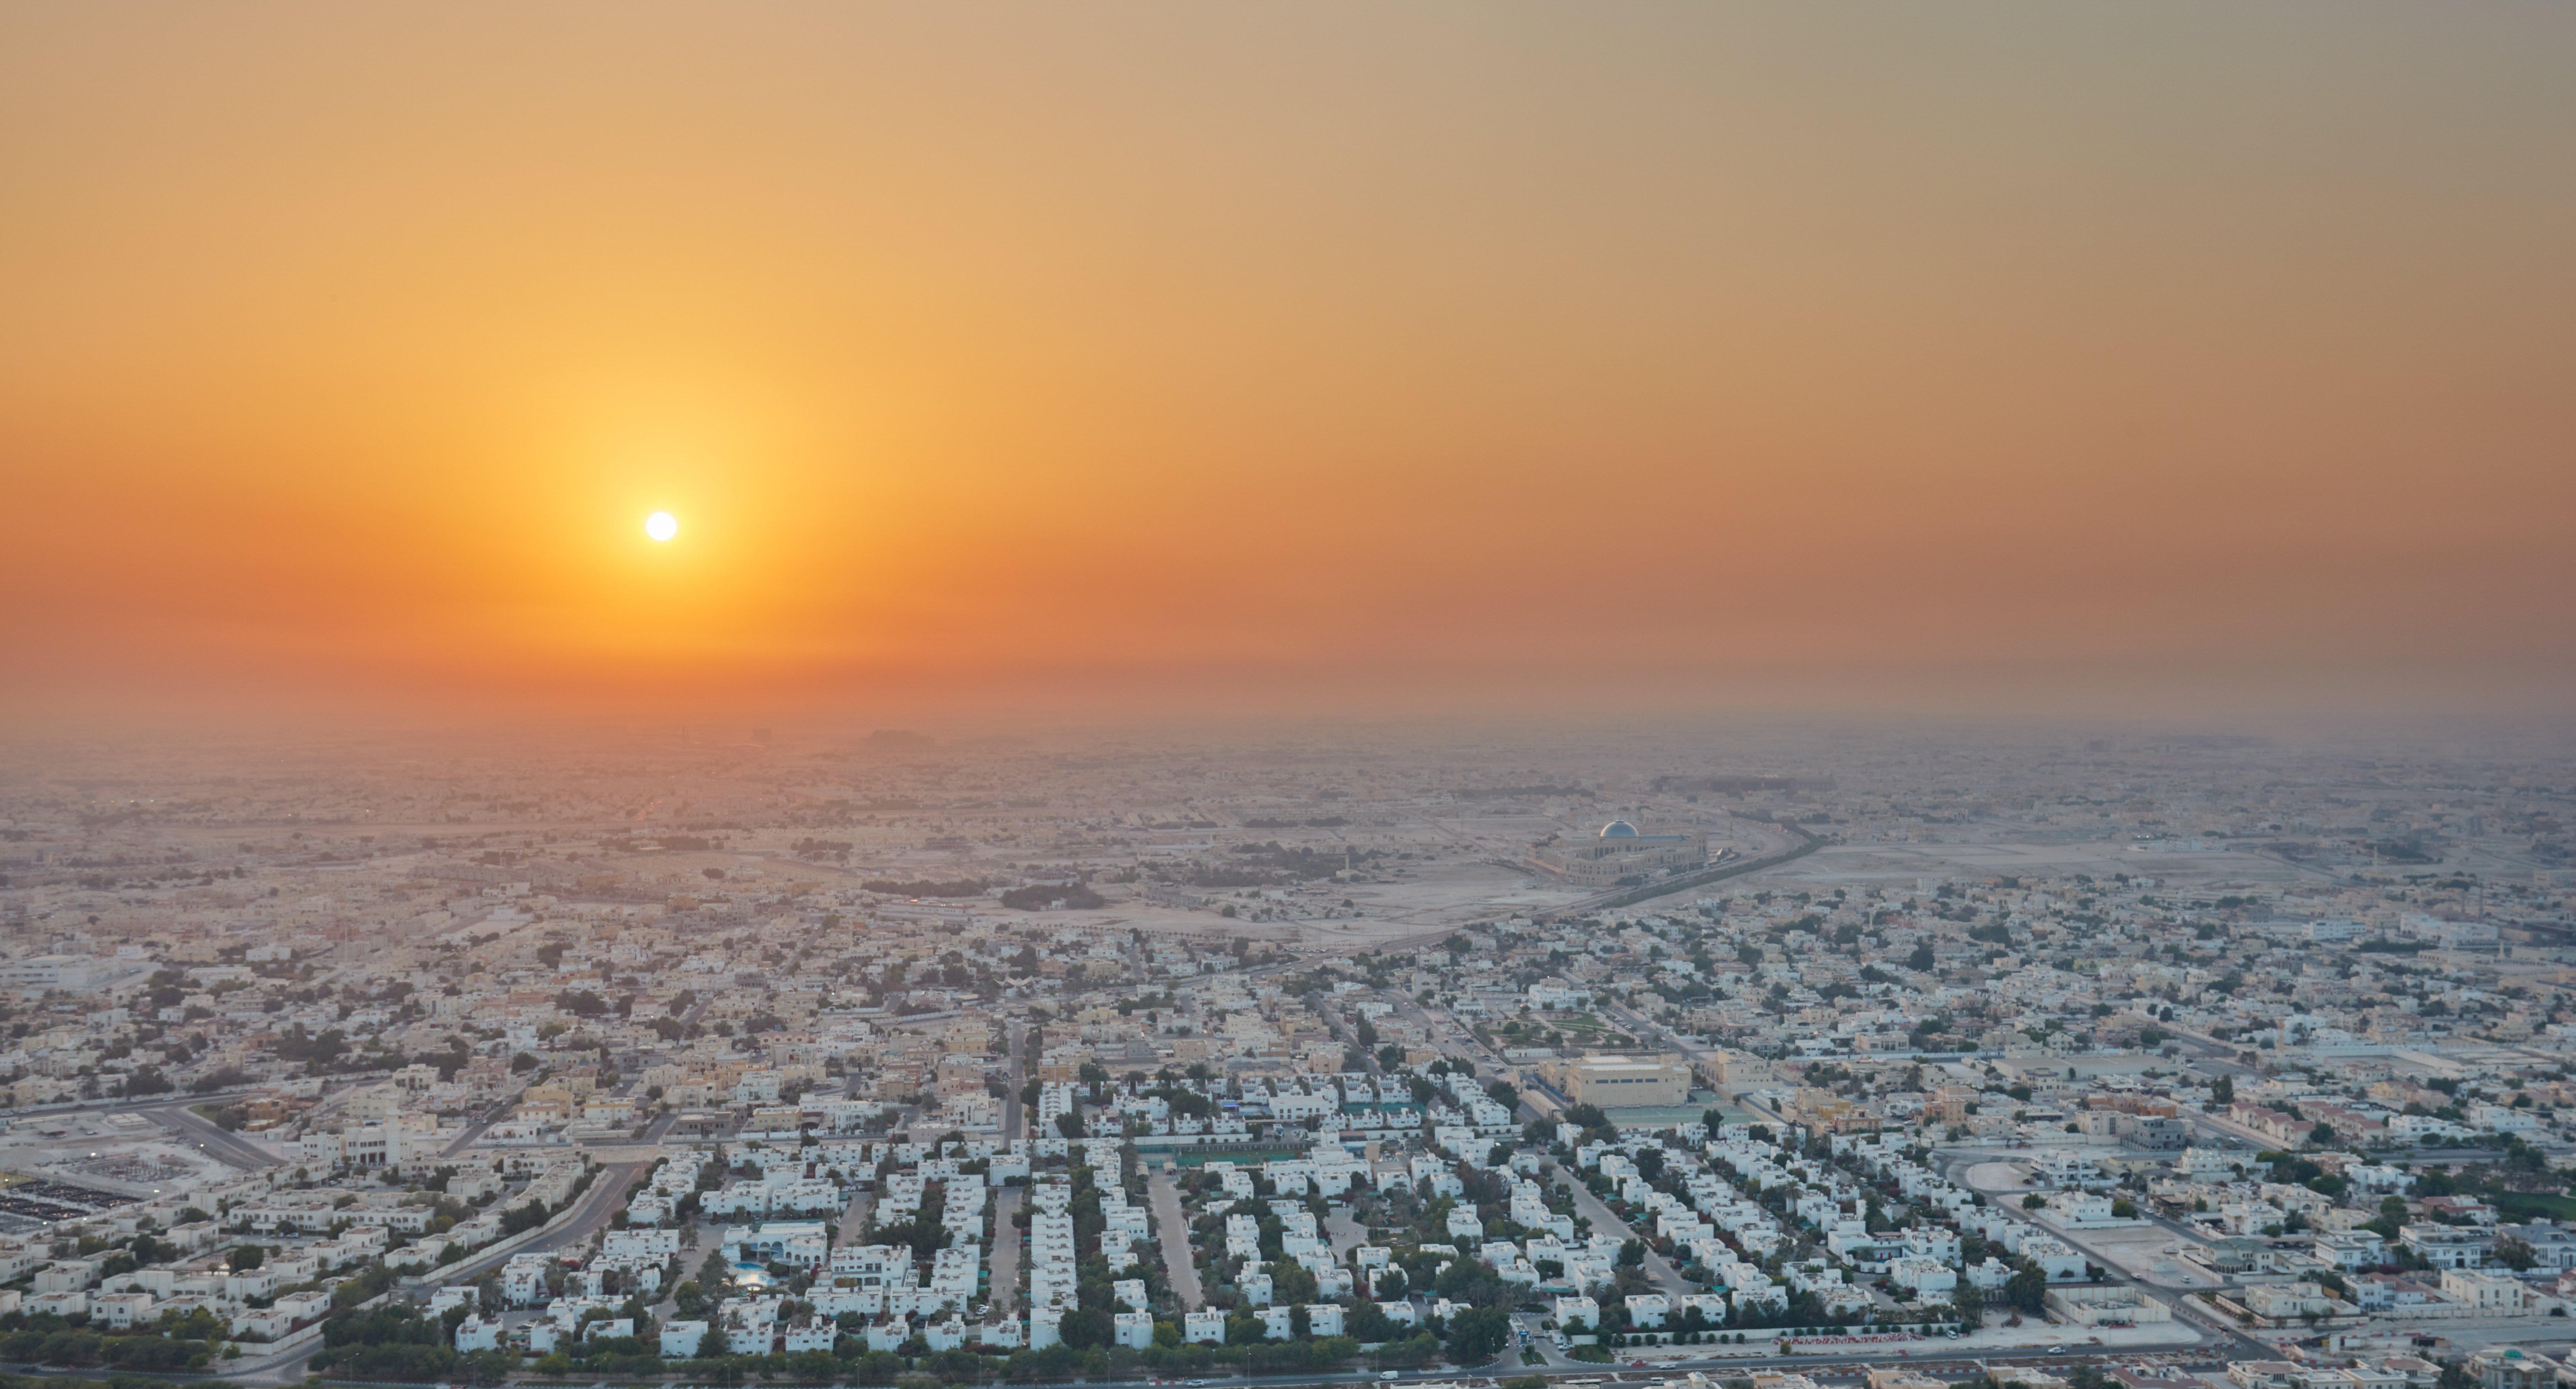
879	1056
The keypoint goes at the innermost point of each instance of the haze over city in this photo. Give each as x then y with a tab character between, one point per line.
1638	696
1285	359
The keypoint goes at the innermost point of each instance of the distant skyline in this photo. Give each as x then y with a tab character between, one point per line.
2162	361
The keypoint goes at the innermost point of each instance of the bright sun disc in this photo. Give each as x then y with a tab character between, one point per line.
661	525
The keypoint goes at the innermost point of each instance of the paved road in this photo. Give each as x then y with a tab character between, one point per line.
1178	1266
466	1137
1936	1359
2190	1310
606	1197
1607	1221
1798	843
1550	1358
227	1148
1017	1076
1006	1246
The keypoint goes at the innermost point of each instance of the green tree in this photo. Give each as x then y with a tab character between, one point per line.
1085	1327
1367	1323
1478	1335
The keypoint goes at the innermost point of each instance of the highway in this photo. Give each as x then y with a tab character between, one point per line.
1939	1361
1802	844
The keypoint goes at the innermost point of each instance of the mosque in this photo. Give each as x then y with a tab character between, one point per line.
1619	852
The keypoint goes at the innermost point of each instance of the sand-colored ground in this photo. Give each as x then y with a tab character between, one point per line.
1882	864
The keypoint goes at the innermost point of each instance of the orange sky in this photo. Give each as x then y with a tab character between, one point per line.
1339	355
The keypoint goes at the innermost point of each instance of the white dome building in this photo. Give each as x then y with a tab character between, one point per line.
1620	853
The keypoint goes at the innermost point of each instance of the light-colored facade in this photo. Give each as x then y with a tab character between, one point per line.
1619	852
1621	1082
2107	1306
37	973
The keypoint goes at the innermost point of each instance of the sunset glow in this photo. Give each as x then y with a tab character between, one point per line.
2033	353
1337	695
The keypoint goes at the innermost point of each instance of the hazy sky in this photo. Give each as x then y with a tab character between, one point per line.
1336	356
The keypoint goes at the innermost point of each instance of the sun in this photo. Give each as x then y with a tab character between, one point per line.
661	525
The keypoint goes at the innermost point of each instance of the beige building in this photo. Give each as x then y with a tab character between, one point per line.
971	1036
1620	852
1949	1105
2107	1306
961	1074
1624	1082
2510	1367
2281	1304
2494	1295
1732	1071
1826	1109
